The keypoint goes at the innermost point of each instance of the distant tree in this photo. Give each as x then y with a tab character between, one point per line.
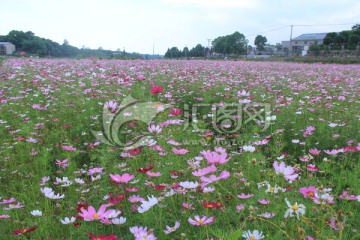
197	51
278	46
356	28
186	52
260	42
173	52
66	42
35	46
340	39
354	39
235	43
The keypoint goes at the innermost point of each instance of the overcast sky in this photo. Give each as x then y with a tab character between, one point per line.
138	25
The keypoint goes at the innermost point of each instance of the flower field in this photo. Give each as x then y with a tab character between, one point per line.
104	149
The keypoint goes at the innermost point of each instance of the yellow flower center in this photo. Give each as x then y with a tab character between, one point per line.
271	189
96	216
295	207
252	237
201	222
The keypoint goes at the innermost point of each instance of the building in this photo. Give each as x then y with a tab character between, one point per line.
301	44
6	48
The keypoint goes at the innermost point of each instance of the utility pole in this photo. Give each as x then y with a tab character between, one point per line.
290	47
209	47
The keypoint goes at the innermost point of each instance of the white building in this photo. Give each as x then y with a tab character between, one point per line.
6	48
301	44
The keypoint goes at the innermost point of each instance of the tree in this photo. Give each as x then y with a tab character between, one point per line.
260	42
186	52
235	43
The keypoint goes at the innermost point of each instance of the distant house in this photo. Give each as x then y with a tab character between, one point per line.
6	48
301	44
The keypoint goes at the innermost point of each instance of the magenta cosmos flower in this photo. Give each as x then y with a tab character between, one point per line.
125	178
92	215
156	90
197	221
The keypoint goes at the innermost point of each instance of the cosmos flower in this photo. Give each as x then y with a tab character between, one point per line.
297	209
204	220
288	172
172	229
253	235
92	215
156	90
125	178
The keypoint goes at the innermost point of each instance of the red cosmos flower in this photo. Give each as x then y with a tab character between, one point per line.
135	151
144	170
159	187
207	204
81	205
156	89
176	173
115	199
24	230
102	237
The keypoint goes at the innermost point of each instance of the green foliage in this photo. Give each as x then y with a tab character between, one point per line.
260	42
31	44
230	44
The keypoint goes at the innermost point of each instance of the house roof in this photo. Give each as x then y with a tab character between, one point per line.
310	36
4	43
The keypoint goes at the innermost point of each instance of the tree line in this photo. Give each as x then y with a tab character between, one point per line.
233	44
29	43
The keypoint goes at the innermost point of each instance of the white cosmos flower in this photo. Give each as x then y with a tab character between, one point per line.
146	205
36	213
298	209
118	221
189	185
253	235
68	220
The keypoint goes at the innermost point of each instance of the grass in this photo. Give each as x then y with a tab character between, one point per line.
48	104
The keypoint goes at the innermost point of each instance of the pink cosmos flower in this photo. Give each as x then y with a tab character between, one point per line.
214	178
125	178
245	196
7	201
215	158
308	192
93	171
154	128
69	148
140	77
188	206
156	90
63	164
175	112
315	151
92	215
312	168
153	174
4	216
179	151
112	105
240	207
345	195
141	233
264	201
204	220
287	171
172	229
204	171
135	198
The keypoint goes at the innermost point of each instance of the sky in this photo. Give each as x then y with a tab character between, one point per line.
153	26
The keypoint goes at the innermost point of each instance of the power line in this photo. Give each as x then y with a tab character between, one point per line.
318	25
